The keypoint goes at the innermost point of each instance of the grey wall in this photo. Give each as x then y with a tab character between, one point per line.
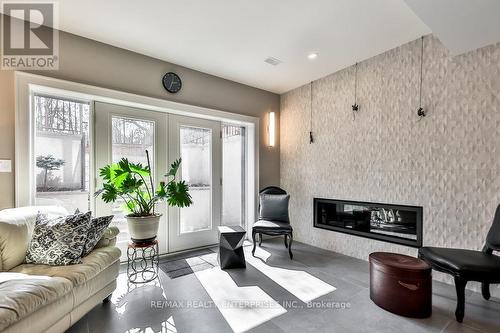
7	107
449	162
86	61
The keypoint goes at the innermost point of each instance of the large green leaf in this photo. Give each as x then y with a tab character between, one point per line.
174	167
109	193
139	169
178	194
113	173
161	191
120	177
108	172
124	165
130	184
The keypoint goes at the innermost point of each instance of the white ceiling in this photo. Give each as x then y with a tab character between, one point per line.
461	25
232	38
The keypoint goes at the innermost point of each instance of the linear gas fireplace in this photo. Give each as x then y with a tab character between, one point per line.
390	223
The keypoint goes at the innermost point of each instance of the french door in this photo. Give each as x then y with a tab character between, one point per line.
198	143
124	132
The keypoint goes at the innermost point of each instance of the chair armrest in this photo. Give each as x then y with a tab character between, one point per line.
108	238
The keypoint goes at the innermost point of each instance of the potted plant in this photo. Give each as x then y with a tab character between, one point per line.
133	183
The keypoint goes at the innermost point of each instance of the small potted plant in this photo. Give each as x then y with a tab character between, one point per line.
133	183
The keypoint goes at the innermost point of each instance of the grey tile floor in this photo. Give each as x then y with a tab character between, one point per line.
179	302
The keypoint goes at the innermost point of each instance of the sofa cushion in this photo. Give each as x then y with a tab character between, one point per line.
58	241
51	318
22	294
105	277
16	228
97	229
91	265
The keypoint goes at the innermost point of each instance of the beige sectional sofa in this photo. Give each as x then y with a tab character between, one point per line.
42	298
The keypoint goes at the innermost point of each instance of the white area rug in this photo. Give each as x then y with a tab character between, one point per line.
242	307
301	284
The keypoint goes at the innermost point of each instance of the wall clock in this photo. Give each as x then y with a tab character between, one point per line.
172	82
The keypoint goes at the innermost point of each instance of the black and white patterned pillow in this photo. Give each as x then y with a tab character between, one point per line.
97	227
58	241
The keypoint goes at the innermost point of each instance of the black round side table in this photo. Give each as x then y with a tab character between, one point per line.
142	261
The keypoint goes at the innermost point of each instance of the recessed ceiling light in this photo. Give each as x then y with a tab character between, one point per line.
312	55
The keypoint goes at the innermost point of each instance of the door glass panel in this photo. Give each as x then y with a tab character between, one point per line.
62	152
233	175
130	138
196	146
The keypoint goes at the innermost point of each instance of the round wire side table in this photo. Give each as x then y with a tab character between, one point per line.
142	262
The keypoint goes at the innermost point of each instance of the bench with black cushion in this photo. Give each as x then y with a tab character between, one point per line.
468	265
273	217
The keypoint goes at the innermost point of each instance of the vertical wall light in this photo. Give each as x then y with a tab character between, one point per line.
271	129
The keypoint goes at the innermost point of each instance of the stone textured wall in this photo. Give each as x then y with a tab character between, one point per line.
448	162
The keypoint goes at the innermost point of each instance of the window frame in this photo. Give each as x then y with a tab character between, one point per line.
33	135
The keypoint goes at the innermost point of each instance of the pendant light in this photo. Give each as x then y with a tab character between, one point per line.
420	111
311	138
355	106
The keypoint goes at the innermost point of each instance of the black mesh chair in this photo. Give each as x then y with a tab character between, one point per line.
468	265
273	217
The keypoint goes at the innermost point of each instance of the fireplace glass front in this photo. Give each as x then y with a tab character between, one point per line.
393	223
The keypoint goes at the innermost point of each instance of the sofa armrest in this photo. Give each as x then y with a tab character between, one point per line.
108	238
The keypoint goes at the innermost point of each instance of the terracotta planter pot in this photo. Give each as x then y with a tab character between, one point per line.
143	229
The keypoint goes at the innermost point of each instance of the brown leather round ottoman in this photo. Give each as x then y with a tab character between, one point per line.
401	284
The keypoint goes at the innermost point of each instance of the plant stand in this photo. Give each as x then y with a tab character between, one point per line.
142	261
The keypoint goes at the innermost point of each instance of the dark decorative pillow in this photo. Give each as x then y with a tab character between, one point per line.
58	241
274	207
97	228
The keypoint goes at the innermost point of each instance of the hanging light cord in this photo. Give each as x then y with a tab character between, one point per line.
421	70
421	112
311	139
355	107
356	84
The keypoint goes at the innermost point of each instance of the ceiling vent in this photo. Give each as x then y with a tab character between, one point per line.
273	61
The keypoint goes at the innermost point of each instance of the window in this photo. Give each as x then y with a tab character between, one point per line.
62	152
233	175
196	152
